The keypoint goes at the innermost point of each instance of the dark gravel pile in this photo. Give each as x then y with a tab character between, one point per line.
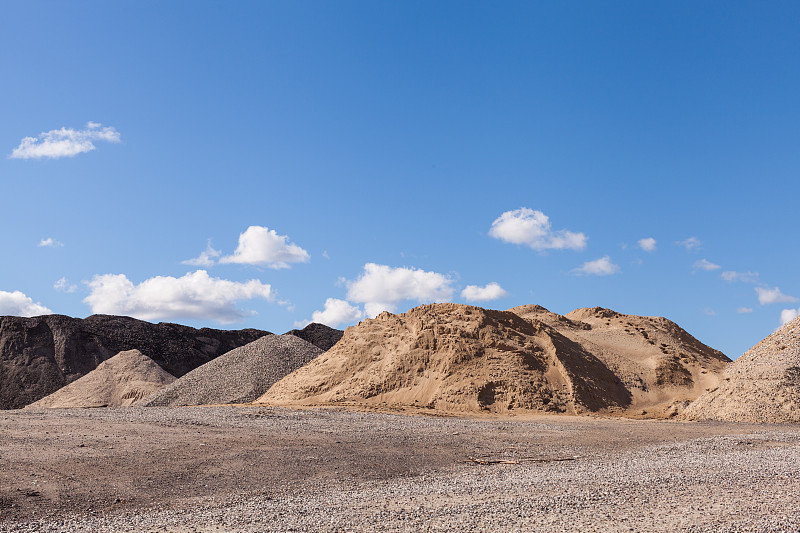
40	355
320	335
239	376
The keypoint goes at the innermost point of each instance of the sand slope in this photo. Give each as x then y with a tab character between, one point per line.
456	358
239	376
761	386
116	382
662	365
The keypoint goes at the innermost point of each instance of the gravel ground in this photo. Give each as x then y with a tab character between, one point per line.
262	469
238	376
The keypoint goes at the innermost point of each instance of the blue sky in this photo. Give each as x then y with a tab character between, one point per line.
347	157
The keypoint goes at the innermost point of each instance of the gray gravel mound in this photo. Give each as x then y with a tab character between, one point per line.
239	376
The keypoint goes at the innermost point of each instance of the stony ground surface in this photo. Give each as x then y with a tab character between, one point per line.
265	469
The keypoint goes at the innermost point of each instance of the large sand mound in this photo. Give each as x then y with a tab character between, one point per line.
761	386
456	358
662	365
116	382
239	376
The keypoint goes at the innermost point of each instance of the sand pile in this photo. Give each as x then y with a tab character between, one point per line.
662	366
320	335
116	382
761	386
456	358
239	376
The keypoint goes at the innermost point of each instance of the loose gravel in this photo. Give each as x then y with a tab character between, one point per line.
413	473
238	376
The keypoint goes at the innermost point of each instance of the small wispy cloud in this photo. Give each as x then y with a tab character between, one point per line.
773	296
599	267
64	286
533	228
261	246
334	313
476	293
648	244
691	244
705	264
64	142
744	310
744	277
50	242
206	257
789	314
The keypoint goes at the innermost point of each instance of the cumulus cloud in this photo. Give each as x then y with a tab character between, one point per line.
789	314
475	293
705	264
206	257
744	310
692	243
773	296
532	228
336	312
64	286
599	267
262	246
17	304
745	277
648	244
64	142
50	242
195	295
381	288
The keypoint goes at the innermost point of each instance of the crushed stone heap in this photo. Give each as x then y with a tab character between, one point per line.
239	376
454	357
116	382
761	386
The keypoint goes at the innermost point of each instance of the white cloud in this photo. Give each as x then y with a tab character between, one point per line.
64	142
648	244
705	264
336	312
532	228
64	286
381	288
789	314
598	267
773	296
709	311
692	243
195	295
745	277
475	293
259	245
744	310
50	242
206	257
17	304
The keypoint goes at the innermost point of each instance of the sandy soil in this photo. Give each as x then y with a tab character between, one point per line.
271	469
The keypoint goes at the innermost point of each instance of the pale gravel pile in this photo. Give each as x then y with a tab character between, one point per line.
761	386
239	376
117	382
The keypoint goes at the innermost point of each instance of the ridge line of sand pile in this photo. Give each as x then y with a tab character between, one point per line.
238	376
